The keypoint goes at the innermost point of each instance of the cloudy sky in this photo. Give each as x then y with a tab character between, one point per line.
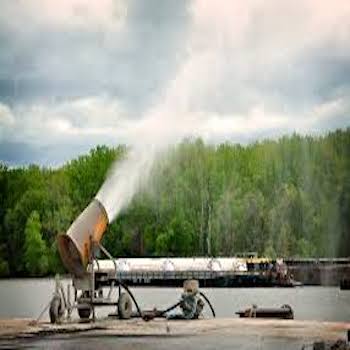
77	73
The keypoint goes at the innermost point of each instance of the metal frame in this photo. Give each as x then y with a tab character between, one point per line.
89	287
85	288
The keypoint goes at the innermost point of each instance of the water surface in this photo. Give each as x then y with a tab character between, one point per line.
28	297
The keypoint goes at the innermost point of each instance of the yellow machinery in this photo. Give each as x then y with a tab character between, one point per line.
75	246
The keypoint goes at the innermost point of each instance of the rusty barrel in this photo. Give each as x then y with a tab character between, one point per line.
74	246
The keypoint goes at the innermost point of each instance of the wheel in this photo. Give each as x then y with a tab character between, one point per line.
84	312
56	309
124	306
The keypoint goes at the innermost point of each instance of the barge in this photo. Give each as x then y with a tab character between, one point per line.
225	272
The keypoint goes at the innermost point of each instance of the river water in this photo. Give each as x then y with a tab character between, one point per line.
26	298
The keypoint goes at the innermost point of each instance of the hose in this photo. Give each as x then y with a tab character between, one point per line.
209	303
161	313
132	297
148	317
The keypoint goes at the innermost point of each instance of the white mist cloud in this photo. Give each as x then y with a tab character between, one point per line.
182	108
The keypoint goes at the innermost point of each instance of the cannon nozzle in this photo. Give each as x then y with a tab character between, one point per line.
74	246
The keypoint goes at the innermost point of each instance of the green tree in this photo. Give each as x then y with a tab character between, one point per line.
36	260
285	197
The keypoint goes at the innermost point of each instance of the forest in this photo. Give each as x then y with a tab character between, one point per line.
288	197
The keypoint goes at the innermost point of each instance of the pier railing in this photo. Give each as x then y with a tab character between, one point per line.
180	275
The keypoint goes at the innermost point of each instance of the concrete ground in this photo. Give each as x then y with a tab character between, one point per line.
308	330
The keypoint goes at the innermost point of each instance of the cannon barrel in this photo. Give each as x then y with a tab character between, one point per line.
74	246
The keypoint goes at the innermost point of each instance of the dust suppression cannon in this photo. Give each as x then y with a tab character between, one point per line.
93	286
95	281
77	248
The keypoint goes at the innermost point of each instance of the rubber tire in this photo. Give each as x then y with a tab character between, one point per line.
124	306
84	313
55	310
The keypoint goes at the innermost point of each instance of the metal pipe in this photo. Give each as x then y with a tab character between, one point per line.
74	246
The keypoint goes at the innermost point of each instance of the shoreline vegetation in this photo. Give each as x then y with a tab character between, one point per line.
288	198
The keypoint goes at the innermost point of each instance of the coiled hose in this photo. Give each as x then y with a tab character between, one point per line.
149	316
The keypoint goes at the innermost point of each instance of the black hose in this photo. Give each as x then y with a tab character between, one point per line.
147	317
161	313
209	303
132	297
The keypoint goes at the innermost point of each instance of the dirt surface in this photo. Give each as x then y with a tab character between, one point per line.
308	330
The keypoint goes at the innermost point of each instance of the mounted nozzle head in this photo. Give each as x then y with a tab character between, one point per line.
74	246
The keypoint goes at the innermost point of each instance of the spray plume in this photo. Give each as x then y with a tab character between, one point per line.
182	110
191	105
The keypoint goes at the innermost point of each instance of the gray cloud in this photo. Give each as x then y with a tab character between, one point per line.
130	61
83	72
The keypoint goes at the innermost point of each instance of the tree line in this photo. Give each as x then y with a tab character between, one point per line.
280	198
